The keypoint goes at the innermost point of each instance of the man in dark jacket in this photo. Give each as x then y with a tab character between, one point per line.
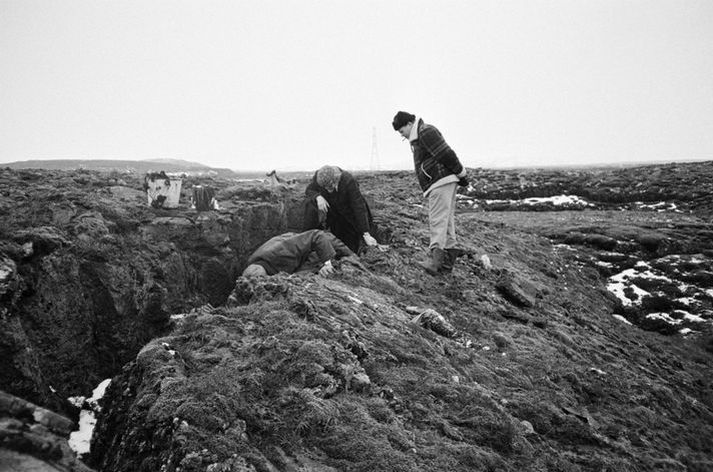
311	250
439	172
334	201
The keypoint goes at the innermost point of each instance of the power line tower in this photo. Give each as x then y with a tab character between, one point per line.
374	162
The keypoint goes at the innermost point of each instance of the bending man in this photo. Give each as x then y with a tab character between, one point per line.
334	201
311	250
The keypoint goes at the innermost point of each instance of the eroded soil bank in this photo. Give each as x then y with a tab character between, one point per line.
90	273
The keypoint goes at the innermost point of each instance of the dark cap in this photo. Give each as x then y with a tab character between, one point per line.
403	118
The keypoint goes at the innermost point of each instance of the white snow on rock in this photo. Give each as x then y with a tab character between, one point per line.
664	317
689	310
557	200
622	319
686	300
659	207
690	317
79	441
619	282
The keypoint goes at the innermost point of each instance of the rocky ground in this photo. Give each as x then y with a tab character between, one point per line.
514	362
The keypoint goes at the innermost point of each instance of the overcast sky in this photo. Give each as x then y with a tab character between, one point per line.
284	84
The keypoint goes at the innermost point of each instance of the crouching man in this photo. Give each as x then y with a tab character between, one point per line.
309	251
333	201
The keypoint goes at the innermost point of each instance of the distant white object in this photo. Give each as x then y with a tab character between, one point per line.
485	260
162	191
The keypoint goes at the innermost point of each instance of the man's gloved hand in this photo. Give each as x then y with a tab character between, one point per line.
327	269
369	239
463	182
322	204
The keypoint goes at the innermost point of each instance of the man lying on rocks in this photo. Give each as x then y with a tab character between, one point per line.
309	251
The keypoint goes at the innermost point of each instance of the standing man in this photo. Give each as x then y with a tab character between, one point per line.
334	201
439	172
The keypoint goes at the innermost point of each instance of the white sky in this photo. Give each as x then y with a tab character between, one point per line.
297	84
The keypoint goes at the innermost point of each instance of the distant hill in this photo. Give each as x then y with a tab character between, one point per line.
139	167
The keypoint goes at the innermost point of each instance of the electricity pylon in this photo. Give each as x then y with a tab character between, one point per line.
374	162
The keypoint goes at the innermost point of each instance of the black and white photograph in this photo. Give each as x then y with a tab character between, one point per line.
374	236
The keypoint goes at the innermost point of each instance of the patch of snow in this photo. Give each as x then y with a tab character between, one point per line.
355	300
660	206
686	300
638	273
79	441
664	317
557	200
685	331
621	281
77	401
691	317
622	319
618	289
604	264
98	393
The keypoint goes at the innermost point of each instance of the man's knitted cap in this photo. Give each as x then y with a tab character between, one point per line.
328	176
403	118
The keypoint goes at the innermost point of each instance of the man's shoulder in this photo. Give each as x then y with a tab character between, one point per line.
427	130
347	179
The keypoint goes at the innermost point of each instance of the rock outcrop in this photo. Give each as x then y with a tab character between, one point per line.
33	439
89	273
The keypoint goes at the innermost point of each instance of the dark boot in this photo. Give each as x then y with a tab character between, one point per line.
450	258
435	261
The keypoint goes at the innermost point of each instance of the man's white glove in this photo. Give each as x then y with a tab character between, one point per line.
369	239
322	204
326	269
